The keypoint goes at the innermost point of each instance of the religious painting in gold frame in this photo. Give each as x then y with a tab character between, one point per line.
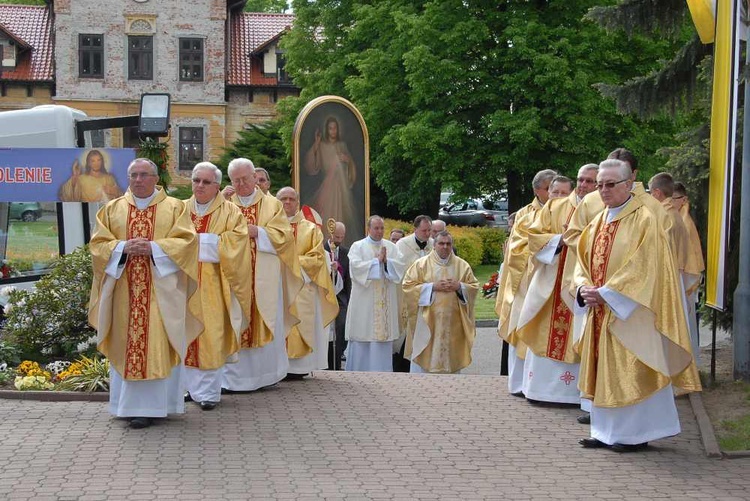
331	163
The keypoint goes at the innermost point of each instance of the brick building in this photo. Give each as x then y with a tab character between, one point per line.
221	66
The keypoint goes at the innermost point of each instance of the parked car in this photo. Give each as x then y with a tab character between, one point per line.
475	212
25	211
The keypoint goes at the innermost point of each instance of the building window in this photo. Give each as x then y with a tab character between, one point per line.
91	56
140	58
281	75
191	59
130	137
191	147
97	138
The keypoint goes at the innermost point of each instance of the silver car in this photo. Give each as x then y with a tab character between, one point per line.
475	212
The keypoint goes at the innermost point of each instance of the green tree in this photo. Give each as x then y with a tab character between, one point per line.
469	94
273	6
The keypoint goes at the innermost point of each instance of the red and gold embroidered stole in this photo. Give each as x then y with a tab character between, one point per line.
200	223
141	224
249	338
561	316
601	251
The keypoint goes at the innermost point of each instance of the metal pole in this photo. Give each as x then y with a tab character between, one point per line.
713	346
741	327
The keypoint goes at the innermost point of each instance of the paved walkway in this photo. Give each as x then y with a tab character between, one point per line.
347	436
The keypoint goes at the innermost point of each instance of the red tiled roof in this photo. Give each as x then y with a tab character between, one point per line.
249	31
33	25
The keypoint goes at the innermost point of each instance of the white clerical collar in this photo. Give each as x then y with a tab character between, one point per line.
201	209
373	242
251	198
578	199
614	211
142	203
441	260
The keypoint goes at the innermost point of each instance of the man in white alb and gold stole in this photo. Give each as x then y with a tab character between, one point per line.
635	344
276	282
412	247
546	319
441	289
372	318
145	260
513	281
225	293
316	304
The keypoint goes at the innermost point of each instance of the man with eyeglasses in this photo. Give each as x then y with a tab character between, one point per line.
546	319
145	262
634	345
225	295
513	282
276	281
316	304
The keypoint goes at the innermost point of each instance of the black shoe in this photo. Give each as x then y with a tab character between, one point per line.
188	398
294	377
592	443
629	447
535	402
208	406
585	419
518	394
140	422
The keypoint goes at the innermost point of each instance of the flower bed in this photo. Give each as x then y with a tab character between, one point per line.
85	374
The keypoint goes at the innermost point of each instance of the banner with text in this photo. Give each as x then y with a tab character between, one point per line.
63	174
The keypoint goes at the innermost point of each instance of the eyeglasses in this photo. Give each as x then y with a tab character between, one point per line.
204	182
611	184
587	180
141	175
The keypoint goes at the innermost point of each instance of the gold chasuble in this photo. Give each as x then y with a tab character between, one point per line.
623	362
141	319
545	321
586	210
695	264
513	280
270	271
225	289
444	333
312	260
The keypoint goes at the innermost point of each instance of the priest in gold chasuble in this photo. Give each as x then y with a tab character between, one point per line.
661	187
225	293
441	290
635	345
372	317
546	319
412	247
513	281
276	281
694	265
316	304
145	261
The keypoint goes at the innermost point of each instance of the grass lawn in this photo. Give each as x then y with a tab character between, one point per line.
485	308
733	432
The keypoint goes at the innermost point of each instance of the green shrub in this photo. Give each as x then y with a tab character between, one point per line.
51	321
468	244
493	240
